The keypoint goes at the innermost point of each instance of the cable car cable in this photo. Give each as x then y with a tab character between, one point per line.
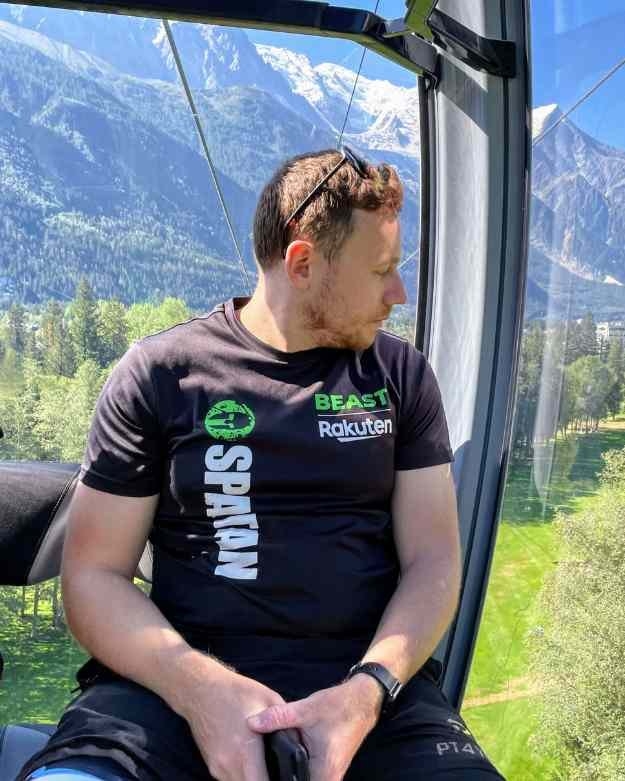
578	103
349	105
200	131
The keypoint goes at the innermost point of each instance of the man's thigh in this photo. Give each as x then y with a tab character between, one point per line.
424	739
129	726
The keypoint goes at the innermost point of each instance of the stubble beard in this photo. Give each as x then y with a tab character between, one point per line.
323	318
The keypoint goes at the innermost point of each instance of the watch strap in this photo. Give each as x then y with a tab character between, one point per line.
386	679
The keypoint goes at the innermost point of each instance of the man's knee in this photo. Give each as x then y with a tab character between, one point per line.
77	769
61	774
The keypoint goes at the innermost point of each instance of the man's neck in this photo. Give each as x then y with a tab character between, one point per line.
274	325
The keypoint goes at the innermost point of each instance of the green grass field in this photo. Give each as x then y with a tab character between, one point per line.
504	730
498	704
38	674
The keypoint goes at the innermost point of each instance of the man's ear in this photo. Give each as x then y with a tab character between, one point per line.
299	263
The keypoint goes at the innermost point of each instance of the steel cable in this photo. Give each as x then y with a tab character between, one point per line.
200	131
349	105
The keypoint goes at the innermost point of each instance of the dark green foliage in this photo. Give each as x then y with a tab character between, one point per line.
83	323
563	383
16	329
528	385
58	351
588	335
616	362
40	655
46	409
579	652
33	349
112	331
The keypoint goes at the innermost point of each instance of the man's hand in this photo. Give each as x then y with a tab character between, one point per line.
217	715
333	723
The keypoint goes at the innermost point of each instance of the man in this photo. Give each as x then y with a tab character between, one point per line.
290	463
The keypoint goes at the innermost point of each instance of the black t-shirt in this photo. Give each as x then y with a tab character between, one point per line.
275	472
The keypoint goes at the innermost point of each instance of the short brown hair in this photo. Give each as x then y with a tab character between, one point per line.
327	219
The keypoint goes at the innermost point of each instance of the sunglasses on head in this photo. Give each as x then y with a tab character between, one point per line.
347	156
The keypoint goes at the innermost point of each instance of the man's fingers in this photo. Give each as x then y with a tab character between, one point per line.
276	717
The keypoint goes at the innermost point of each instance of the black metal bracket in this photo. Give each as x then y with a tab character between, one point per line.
485	54
294	16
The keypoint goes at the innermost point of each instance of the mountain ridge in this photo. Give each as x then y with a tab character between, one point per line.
99	134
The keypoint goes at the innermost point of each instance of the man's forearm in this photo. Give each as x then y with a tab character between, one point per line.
416	617
119	625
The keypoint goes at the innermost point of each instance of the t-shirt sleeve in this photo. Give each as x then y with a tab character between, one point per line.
423	436
124	452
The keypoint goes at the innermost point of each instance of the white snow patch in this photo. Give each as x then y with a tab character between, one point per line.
542	117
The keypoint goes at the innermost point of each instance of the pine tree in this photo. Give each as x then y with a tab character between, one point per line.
615	361
528	384
33	349
17	328
57	345
112	331
573	342
588	335
84	323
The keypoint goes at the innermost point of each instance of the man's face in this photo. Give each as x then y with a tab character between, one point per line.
358	288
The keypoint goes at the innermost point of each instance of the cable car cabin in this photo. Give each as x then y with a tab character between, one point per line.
137	138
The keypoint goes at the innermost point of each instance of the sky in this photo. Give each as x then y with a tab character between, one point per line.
574	43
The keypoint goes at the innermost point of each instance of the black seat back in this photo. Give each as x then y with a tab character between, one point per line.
34	504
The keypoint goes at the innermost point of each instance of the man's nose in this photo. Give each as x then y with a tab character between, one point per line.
396	292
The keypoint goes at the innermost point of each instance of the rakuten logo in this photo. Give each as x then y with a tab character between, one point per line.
350	431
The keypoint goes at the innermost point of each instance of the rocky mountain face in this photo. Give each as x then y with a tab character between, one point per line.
103	171
578	219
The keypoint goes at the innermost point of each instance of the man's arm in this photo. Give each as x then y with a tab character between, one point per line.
117	623
335	721
425	525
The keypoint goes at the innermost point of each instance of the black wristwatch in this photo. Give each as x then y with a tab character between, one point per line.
387	681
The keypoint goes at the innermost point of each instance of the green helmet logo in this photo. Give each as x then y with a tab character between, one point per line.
229	420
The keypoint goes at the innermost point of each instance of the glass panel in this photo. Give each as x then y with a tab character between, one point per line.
111	226
383	123
545	681
295	92
574	45
110	229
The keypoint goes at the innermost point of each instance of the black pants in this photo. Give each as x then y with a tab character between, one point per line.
130	726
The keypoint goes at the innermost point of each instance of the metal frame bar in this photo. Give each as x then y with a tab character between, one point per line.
486	470
417	12
497	57
293	16
427	237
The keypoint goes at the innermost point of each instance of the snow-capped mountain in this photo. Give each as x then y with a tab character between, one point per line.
382	115
98	151
578	186
543	117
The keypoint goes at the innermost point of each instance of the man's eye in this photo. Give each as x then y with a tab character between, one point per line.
384	272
